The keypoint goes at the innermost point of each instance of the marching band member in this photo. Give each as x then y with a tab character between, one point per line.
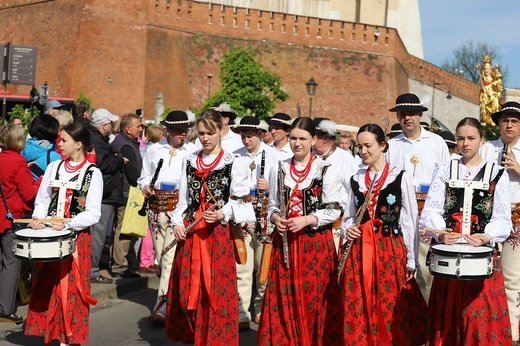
417	151
280	124
17	192
202	293
342	161
382	301
301	298
60	297
508	121
260	158
163	197
469	312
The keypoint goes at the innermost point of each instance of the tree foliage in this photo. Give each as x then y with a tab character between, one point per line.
25	114
468	55
249	87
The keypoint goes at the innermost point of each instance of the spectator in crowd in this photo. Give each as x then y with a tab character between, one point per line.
52	107
16	121
81	112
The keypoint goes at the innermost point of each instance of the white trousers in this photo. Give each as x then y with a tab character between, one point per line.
511	271
423	277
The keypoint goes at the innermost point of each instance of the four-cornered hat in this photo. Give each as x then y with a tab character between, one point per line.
512	108
408	102
281	119
248	123
225	110
325	126
177	119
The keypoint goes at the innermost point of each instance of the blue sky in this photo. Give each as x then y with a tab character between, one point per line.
447	24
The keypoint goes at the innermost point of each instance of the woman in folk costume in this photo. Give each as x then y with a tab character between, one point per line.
72	188
382	301
301	299
469	312
202	294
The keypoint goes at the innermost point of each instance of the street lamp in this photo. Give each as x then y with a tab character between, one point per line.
449	96
209	84
311	88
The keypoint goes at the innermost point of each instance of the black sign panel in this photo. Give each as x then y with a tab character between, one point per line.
21	65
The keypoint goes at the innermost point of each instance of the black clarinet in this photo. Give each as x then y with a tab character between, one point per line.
260	195
142	212
504	153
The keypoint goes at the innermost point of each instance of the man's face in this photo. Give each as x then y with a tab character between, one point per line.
133	130
251	139
344	143
106	128
509	128
278	132
176	137
410	121
322	144
17	121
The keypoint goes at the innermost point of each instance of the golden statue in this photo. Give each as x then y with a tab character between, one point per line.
490	89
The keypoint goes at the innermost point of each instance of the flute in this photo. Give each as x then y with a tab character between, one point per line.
189	230
361	212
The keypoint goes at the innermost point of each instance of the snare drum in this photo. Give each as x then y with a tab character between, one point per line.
461	261
43	245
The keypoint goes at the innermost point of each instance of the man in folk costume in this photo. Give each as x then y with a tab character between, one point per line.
259	158
163	195
417	151
280	124
505	151
340	160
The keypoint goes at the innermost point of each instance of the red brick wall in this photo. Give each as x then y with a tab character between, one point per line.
152	46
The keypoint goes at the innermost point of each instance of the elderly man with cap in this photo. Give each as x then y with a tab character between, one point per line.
52	107
260	158
341	160
163	195
505	151
280	124
110	163
417	151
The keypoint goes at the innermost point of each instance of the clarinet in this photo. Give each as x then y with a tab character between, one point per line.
504	153
281	192
260	196
142	212
348	245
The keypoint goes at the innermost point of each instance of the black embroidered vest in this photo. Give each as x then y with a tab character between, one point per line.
219	181
482	203
388	208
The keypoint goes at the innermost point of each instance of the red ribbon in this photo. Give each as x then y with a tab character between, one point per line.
458	222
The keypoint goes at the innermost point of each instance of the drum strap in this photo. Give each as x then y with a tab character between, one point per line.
469	186
75	183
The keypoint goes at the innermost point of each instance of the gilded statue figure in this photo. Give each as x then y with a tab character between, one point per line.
490	89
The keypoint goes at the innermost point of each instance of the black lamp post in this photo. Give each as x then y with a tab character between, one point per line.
209	84
311	89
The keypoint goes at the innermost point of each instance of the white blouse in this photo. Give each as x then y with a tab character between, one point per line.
499	227
330	190
239	185
408	219
92	212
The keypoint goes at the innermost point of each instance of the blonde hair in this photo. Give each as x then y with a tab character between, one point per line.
12	137
155	133
64	118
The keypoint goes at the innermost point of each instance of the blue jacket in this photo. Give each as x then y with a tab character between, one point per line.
36	152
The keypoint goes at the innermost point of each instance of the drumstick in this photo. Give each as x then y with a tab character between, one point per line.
49	219
477	235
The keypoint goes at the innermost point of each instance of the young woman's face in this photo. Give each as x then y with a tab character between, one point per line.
208	138
301	142
67	145
468	141
369	149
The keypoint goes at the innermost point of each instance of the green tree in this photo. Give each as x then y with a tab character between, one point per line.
25	114
468	55
249	87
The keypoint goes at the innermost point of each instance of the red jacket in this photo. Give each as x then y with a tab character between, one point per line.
18	185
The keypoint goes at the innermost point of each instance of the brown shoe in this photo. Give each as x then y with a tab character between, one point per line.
243	326
257	319
154	269
157	320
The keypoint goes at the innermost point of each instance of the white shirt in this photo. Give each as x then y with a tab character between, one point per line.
92	212
345	165
330	193
271	160
238	187
284	153
499	226
171	168
407	218
429	148
492	151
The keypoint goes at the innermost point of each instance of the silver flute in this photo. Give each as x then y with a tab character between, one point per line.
281	194
348	245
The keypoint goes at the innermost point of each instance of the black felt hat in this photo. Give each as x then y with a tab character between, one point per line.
177	119
511	108
408	102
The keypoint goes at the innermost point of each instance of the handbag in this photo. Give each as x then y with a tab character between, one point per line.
133	223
